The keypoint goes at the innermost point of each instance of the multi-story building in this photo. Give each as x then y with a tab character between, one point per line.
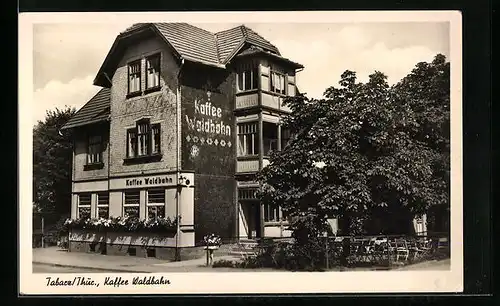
183	122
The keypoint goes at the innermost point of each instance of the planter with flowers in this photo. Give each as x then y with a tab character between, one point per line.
212	242
123	230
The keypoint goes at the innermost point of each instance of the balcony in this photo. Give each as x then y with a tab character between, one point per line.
250	165
274	101
247	99
244	166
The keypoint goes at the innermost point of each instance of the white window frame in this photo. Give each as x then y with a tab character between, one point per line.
156	204
80	205
155	74
138	204
275	79
102	205
276	213
137	74
241	75
243	135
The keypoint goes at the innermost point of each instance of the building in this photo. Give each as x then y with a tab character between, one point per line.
183	121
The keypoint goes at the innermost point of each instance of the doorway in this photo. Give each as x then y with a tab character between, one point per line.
255	220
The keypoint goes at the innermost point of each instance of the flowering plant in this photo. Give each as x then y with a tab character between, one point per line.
121	224
212	240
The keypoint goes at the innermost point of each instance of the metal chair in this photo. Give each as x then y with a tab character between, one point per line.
402	249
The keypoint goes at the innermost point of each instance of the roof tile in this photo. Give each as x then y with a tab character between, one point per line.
95	110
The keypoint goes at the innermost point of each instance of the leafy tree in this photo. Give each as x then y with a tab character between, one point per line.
361	152
52	159
426	90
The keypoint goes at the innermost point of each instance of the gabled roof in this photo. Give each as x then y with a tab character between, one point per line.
95	110
252	50
232	40
193	44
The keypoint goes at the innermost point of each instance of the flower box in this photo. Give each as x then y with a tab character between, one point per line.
145	239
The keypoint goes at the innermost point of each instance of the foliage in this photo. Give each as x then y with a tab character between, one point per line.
52	158
212	240
223	263
311	256
121	224
365	149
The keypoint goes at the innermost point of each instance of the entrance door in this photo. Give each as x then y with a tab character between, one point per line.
254	228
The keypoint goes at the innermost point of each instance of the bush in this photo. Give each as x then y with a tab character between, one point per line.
224	264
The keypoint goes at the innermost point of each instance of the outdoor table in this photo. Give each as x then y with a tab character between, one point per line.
210	253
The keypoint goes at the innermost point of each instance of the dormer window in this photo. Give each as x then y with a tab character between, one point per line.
248	79
153	72
134	78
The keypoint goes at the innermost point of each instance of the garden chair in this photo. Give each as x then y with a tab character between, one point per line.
245	250
415	249
402	249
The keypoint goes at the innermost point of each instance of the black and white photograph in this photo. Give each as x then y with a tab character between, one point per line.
251	151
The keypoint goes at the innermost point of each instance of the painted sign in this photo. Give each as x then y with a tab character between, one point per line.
143	182
207	119
207	125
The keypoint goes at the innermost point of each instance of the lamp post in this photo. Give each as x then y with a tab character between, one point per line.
181	181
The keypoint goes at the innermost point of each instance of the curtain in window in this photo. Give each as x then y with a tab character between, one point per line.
132	143
135	77
153	70
155	137
142	132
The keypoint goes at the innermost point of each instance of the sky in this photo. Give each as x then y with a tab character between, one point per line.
67	56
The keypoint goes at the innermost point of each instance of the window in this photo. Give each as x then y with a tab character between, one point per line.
153	71
247	139
131	203
103	205
278	83
84	201
134	77
144	139
270	135
156	203
271	213
285	137
94	150
132	143
155	138
248	79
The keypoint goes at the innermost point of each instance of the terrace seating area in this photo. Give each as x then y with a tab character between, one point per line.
361	251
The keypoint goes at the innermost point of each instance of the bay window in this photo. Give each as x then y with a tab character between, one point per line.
285	137
271	213
270	135
278	83
247	139
248	79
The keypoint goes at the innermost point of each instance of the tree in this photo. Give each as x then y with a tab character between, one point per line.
426	90
52	160
359	153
